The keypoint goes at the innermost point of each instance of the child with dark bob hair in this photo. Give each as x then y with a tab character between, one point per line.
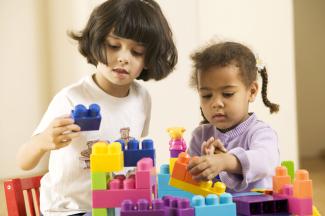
233	144
126	40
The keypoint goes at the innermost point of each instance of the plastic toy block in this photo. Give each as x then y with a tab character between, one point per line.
99	180
302	185
172	162
106	157
143	208
261	204
99	212
281	178
133	154
176	206
176	193
301	206
211	206
176	144
114	198
204	188
143	173
180	166
290	167
87	119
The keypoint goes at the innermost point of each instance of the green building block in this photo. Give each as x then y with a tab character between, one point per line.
99	180
99	212
290	167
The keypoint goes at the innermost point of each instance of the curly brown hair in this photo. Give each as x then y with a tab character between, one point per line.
231	53
139	20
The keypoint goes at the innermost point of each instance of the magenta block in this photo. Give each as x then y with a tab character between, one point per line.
143	208
114	198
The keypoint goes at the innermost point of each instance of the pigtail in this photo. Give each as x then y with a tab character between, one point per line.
274	108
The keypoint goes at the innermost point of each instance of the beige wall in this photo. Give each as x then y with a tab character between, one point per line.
310	63
38	59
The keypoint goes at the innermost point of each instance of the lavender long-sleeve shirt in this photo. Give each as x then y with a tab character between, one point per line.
254	143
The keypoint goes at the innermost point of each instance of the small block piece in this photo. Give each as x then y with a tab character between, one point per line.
172	162
143	173
106	157
180	166
87	119
302	186
133	153
280	179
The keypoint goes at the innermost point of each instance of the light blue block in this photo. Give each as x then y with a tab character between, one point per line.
211	205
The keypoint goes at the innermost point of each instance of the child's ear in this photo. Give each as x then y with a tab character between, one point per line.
253	89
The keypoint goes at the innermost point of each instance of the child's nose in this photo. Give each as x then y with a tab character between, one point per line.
217	103
123	58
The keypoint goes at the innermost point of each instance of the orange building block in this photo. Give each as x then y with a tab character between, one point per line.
302	185
281	178
180	167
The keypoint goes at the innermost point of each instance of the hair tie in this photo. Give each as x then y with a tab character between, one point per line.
259	64
147	3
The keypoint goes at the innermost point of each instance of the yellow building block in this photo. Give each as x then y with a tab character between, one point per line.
106	157
204	189
171	164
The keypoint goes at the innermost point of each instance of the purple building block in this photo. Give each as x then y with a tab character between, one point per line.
261	204
87	119
178	206
143	208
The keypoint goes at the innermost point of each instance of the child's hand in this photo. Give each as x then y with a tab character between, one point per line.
59	133
205	168
212	146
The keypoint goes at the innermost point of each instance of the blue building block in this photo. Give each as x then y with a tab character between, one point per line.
132	154
165	189
210	205
87	119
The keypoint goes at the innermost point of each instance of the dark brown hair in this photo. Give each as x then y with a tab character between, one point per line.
139	20
231	53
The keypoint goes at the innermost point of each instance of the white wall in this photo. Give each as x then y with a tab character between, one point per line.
266	26
310	46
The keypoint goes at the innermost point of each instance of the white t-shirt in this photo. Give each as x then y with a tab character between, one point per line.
66	188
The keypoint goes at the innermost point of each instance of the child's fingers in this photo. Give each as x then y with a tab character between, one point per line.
65	139
59	122
65	129
199	168
218	145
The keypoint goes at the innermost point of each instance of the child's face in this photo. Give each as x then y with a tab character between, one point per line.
224	97
125	60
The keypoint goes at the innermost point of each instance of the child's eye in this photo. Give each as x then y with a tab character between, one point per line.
228	94
206	96
137	53
112	46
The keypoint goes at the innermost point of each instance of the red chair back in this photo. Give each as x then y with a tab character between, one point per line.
14	191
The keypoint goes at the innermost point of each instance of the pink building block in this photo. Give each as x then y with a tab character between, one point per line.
114	198
143	173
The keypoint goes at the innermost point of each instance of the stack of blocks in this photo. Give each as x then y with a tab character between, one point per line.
299	194
87	119
108	193
176	144
183	180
